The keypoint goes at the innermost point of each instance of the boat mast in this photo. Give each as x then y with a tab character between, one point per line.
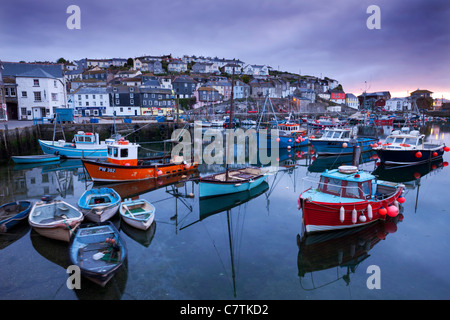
230	125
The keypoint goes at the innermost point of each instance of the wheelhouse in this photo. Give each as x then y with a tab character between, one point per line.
123	152
336	134
357	185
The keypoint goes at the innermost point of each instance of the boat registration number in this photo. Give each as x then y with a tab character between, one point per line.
106	169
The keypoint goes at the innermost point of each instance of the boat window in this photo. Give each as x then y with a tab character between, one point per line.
334	186
390	140
123	153
366	188
336	135
420	141
109	151
411	141
351	190
87	139
346	134
80	139
115	152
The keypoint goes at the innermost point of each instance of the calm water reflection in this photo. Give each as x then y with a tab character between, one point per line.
245	246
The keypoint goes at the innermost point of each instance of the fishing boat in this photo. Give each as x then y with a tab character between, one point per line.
291	135
122	164
138	213
35	158
384	121
408	147
337	141
13	213
324	123
84	145
55	219
99	251
347	197
99	204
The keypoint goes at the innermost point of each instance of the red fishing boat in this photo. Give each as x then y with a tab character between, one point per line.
347	197
122	164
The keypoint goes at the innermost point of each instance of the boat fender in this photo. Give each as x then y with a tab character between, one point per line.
369	212
362	218
354	216
341	214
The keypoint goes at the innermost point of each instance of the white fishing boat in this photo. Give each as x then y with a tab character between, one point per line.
138	213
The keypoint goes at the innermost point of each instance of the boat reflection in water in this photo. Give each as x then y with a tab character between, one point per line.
211	206
57	253
322	163
322	256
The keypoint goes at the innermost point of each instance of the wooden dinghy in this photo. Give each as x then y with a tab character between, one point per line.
99	251
138	213
13	213
55	219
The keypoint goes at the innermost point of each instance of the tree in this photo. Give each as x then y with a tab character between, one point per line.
61	60
130	62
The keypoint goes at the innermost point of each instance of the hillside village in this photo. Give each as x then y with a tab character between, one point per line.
157	85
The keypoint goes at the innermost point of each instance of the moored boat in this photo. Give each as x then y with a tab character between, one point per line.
347	197
405	147
340	141
55	219
35	158
99	204
84	145
122	164
13	213
231	181
99	251
138	213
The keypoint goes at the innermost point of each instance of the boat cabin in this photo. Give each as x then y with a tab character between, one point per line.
336	134
123	152
82	137
291	128
347	182
404	140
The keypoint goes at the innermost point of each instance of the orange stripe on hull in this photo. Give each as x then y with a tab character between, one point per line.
110	172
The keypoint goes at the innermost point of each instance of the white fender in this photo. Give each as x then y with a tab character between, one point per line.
354	216
369	212
362	218
342	214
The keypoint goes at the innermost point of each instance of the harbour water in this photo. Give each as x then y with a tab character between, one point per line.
247	246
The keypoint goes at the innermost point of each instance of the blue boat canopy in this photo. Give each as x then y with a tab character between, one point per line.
348	173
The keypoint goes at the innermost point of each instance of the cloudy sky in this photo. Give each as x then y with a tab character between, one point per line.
411	50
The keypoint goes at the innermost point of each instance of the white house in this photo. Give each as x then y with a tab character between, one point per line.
256	70
351	101
91	101
398	104
39	93
177	66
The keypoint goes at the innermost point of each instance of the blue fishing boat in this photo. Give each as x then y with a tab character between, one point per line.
231	181
99	251
13	213
99	204
335	141
405	147
84	145
35	158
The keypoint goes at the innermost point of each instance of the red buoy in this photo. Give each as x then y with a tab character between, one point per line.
418	154
435	154
382	211
446	149
401	200
392	211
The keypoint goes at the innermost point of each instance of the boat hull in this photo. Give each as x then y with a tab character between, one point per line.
68	151
325	216
335	147
90	240
99	212
35	159
408	157
49	220
19	211
212	189
141	219
102	171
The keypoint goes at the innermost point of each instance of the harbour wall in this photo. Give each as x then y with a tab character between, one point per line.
24	140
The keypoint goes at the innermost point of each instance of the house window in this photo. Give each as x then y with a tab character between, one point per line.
87	97
54	97
79	97
36	82
54	84
37	96
13	92
93	96
24	94
101	103
131	95
117	101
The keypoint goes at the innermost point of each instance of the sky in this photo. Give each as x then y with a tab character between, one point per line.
323	38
